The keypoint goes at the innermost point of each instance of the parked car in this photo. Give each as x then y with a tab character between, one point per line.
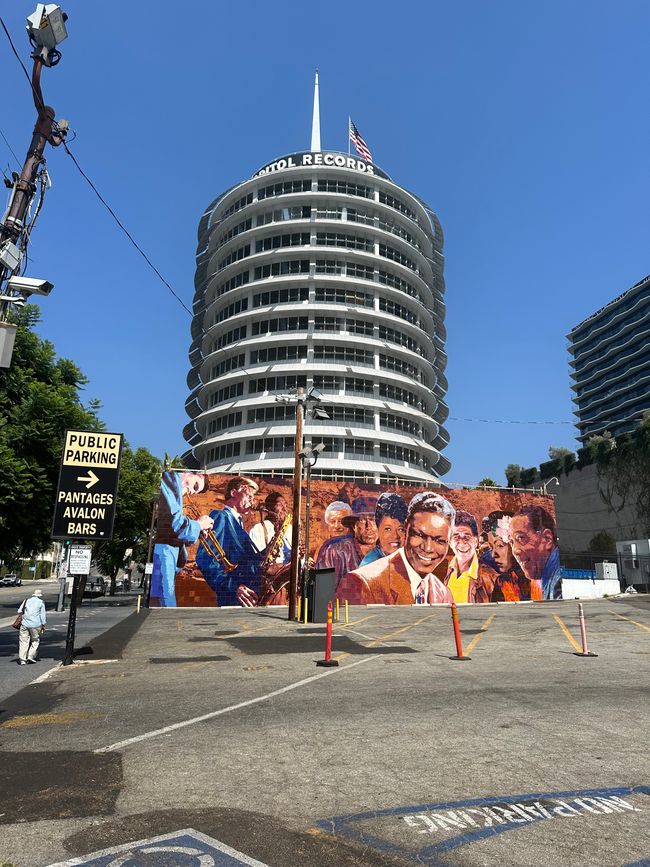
95	586
11	581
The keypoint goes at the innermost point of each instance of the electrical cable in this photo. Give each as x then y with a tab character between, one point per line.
124	229
11	149
506	421
92	185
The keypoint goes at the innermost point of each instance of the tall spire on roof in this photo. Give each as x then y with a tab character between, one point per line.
315	122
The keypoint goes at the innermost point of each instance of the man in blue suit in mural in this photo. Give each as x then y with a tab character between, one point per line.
240	581
535	546
175	531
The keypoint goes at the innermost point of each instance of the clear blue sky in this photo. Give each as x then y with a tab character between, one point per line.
524	125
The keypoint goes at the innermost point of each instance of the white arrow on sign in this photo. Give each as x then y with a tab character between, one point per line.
91	478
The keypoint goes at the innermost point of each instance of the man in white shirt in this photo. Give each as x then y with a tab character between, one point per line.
31	628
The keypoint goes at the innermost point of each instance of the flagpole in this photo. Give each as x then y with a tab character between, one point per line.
349	122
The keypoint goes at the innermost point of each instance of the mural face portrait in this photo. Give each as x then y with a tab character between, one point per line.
280	509
390	534
365	531
334	521
193	483
531	548
463	542
427	540
242	498
501	553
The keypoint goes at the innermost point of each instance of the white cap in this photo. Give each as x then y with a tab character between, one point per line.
37	592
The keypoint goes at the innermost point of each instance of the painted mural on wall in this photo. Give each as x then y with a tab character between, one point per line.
226	540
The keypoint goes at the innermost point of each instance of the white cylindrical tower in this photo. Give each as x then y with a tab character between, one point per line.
321	271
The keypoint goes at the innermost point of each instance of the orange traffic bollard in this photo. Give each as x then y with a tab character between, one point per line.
328	662
583	634
459	644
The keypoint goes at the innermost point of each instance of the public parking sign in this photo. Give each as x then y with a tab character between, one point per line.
86	495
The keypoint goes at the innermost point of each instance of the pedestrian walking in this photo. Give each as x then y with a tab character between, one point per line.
31	627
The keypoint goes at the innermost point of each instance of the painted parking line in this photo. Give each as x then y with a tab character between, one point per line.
423	832
44	719
629	620
357	622
388	635
484	627
186	846
567	634
233	707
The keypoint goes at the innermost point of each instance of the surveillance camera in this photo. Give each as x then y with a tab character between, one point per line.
30	285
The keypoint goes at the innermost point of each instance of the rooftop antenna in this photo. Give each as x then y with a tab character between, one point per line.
315	122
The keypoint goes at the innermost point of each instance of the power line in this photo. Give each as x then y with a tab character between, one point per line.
39	100
10	148
124	229
505	421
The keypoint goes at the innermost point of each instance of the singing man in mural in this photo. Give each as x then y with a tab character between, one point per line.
235	572
468	578
406	575
175	531
535	546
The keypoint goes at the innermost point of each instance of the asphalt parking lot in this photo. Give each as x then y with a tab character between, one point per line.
220	721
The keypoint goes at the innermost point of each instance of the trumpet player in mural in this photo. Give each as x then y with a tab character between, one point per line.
232	568
175	531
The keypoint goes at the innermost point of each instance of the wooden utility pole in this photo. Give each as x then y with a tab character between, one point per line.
295	518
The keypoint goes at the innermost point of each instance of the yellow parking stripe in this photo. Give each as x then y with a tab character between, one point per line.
568	635
478	637
629	620
42	719
389	635
356	622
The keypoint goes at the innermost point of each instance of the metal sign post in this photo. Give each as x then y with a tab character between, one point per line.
62	575
80	556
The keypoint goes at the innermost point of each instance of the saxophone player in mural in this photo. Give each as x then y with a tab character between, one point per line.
272	537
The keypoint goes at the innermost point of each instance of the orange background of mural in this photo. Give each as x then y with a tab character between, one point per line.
191	588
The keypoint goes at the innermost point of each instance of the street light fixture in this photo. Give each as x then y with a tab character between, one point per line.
304	403
548	482
309	458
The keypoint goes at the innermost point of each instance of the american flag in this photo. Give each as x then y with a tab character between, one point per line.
359	143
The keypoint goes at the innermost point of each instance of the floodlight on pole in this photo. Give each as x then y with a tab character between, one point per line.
46	30
309	457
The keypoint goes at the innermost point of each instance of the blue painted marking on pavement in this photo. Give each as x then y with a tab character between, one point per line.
344	825
644	862
186	848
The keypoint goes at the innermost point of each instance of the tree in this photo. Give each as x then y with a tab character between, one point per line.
603	543
623	467
39	399
513	475
139	483
558	453
487	482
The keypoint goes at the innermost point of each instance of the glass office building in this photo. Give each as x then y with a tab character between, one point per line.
319	271
611	364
